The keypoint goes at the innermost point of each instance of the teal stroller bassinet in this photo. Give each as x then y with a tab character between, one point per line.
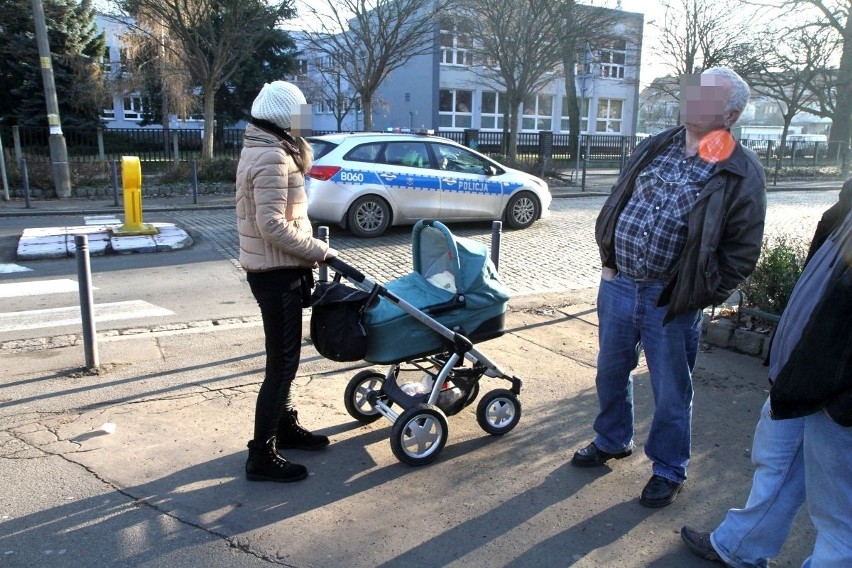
454	281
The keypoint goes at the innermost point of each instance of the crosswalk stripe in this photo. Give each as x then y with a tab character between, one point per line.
55	317
9	268
38	287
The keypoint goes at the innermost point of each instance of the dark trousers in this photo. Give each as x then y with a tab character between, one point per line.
279	294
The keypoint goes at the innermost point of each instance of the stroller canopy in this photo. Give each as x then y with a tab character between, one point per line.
441	257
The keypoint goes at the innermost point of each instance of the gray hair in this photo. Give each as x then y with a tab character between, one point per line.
740	91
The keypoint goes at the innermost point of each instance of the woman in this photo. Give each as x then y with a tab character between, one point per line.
278	252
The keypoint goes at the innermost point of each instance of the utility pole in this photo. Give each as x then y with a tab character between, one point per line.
56	141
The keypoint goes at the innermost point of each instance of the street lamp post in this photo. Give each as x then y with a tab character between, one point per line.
56	141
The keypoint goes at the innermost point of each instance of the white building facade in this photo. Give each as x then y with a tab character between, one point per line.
442	91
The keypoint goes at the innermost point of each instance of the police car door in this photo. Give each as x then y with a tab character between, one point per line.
467	188
405	169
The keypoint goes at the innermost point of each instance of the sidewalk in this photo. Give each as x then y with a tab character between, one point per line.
142	464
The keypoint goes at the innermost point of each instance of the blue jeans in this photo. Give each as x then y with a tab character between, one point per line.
828	480
629	319
750	536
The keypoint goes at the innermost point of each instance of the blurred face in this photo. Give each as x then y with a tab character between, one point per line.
300	122
703	101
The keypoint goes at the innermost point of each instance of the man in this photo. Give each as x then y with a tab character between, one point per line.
681	229
750	536
805	375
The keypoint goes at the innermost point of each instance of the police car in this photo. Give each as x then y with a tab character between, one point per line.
367	182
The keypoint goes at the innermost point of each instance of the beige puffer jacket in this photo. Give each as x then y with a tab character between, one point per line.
272	207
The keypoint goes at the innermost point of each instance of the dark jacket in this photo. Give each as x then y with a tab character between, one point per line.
818	372
725	227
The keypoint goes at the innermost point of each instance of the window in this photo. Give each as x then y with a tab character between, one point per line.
408	154
491	117
454	108
133	108
455	159
609	115
108	113
538	113
613	57
301	67
364	152
584	115
455	43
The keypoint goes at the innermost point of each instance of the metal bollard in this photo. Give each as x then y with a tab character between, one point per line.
322	234
195	182
496	236
25	182
87	306
114	179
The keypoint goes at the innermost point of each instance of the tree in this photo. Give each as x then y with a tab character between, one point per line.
838	21
151	67
212	38
369	39
273	58
76	51
700	34
329	87
832	87
589	30
790	68
515	46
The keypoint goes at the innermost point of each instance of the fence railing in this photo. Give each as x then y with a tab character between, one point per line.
185	145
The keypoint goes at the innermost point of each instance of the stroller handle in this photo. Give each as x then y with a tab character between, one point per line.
345	269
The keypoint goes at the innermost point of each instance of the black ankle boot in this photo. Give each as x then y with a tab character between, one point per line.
265	464
291	436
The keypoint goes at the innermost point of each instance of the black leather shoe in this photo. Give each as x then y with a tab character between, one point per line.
592	456
659	492
699	544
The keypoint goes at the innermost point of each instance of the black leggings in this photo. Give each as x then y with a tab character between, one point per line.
279	295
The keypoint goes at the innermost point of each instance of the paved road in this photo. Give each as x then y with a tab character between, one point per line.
556	254
205	284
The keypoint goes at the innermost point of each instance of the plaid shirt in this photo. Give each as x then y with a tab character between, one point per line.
651	231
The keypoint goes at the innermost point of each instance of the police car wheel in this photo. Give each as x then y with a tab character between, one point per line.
522	210
369	216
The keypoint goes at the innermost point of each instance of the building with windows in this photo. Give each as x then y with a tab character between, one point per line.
441	90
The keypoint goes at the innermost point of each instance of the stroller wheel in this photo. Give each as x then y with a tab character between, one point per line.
498	412
355	396
419	434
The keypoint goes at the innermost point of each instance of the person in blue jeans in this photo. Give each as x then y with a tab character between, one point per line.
786	468
682	227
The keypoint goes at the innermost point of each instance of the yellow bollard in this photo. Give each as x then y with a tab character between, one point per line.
131	181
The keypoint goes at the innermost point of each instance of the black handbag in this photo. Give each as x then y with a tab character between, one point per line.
337	330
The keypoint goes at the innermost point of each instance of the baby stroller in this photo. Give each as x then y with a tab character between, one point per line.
424	325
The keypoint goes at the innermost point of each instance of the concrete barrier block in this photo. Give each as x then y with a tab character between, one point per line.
749	342
719	333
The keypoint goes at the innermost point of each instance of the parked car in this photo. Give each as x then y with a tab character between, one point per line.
367	182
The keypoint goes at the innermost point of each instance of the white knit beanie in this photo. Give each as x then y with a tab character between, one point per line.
277	102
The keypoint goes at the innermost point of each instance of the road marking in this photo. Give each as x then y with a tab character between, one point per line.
9	268
55	317
38	288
